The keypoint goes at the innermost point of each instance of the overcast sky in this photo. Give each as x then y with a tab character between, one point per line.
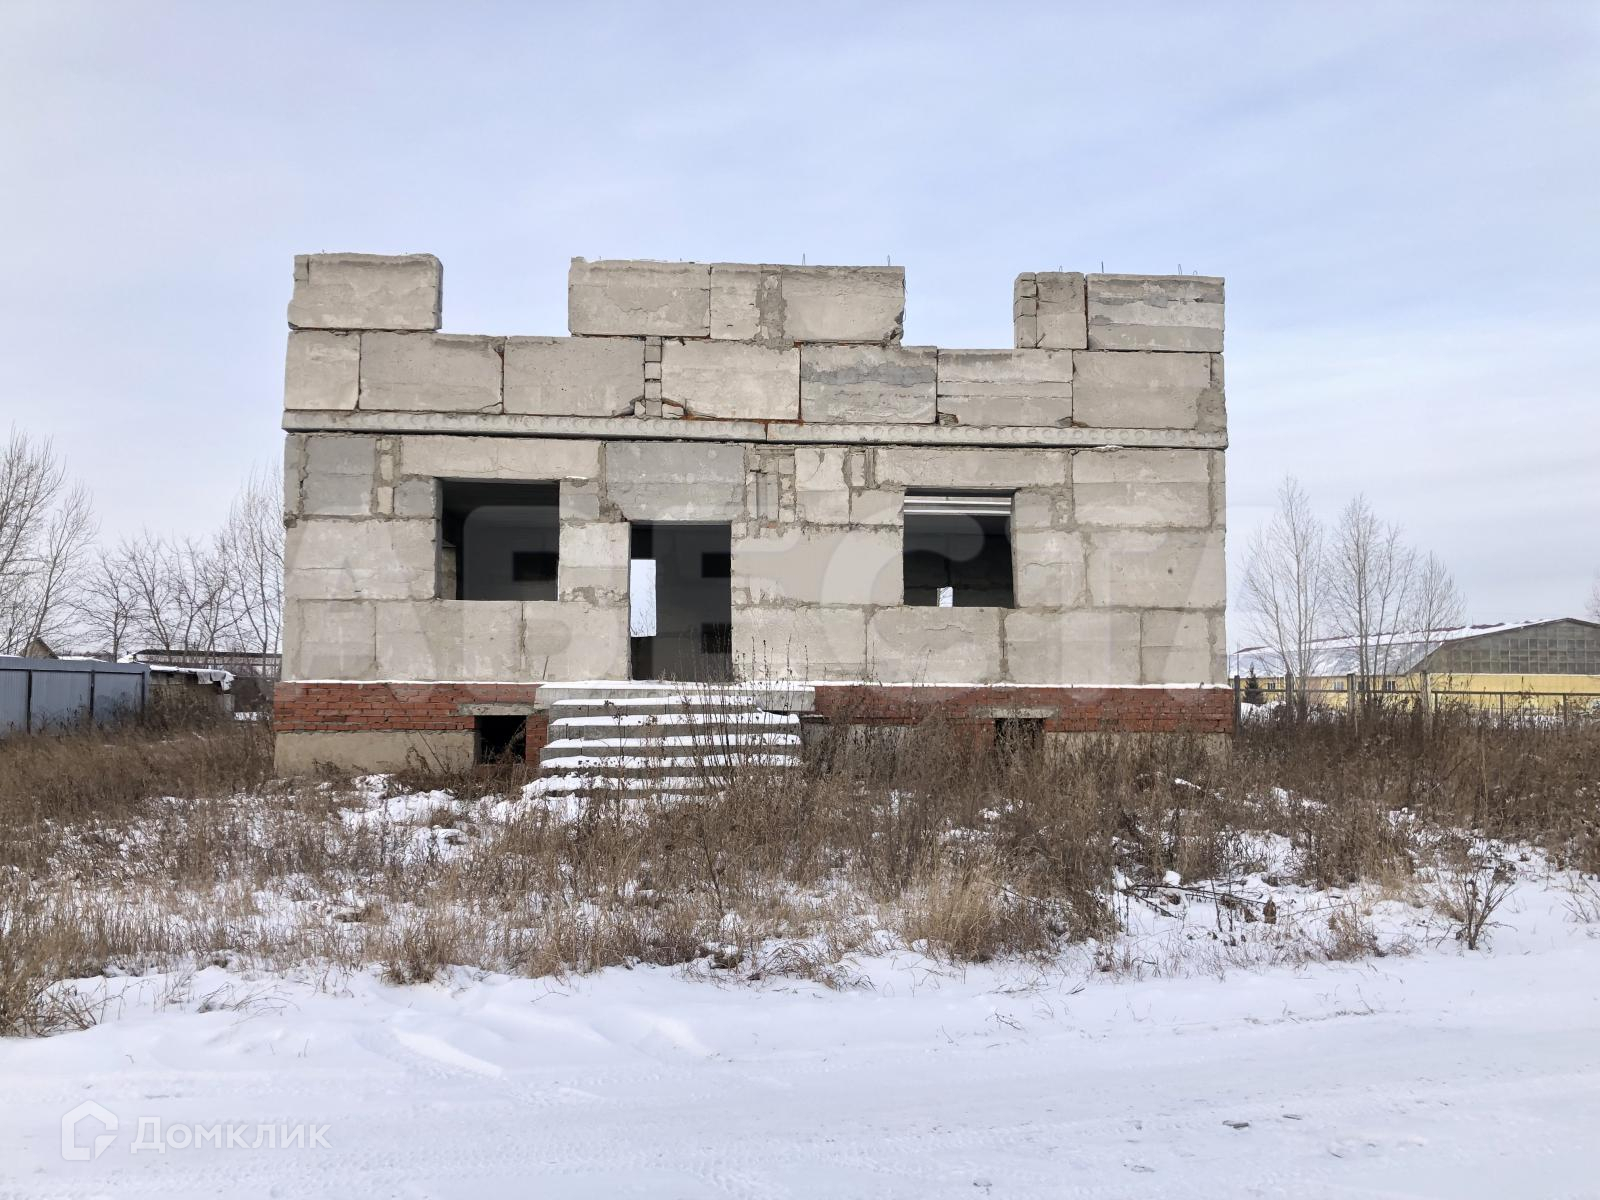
1404	198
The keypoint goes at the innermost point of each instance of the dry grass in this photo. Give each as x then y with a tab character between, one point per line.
145	848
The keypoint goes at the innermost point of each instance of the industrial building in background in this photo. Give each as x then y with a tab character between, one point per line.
737	474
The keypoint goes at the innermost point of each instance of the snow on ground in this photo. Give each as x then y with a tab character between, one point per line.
1441	1073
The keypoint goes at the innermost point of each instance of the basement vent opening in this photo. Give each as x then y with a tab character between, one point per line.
957	550
1019	735
500	739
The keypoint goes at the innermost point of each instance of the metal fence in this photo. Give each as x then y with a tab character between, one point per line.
38	694
1353	698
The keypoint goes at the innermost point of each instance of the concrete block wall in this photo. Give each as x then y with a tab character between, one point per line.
782	401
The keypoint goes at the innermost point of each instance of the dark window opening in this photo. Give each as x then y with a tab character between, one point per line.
500	739
499	541
716	564
716	637
958	550
1019	735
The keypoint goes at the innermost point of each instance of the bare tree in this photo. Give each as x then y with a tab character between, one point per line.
1594	602
1436	602
1371	577
252	549
107	604
1283	587
46	525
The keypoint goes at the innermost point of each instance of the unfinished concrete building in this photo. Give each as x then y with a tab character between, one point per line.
738	472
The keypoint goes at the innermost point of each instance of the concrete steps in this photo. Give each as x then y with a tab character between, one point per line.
643	739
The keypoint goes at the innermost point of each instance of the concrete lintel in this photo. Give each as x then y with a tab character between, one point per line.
624	429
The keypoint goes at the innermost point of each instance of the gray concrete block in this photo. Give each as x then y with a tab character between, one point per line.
303	752
1142	488
1180	647
360	560
747	302
818	565
676	481
430	372
366	291
572	640
1144	390
934	645
1132	568
1006	387
516	458
1155	312
637	297
822	490
581	377
417	498
337	475
1049	568
845	384
874	506
593	563
843	304
800	643
734	380
328	639
476	641
1041	508
321	370
1072	648
966	467
1060	323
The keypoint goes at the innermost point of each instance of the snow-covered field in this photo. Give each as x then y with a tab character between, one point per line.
1442	1072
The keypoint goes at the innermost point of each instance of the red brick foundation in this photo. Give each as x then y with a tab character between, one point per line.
376	707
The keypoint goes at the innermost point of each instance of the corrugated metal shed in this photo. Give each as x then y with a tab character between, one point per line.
37	694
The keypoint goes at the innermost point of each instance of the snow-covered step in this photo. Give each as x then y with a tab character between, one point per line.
669	747
775	695
685	763
704	726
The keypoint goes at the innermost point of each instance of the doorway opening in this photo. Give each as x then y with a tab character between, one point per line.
680	601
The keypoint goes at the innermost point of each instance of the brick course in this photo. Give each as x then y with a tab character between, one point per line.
366	707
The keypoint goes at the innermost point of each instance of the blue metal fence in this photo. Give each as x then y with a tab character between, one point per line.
37	694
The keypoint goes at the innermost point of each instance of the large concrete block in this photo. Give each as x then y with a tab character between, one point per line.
1048	568
747	302
819	565
1071	648
321	370
1168	489
843	304
593	563
338	475
430	372
969	467
934	645
360	560
854	384
1181	647
578	377
366	291
638	297
445	456
736	380
676	481
822	487
800	643
329	639
571	640
1143	390
451	641
305	751
1155	312
1060	311
1131	568
1006	387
